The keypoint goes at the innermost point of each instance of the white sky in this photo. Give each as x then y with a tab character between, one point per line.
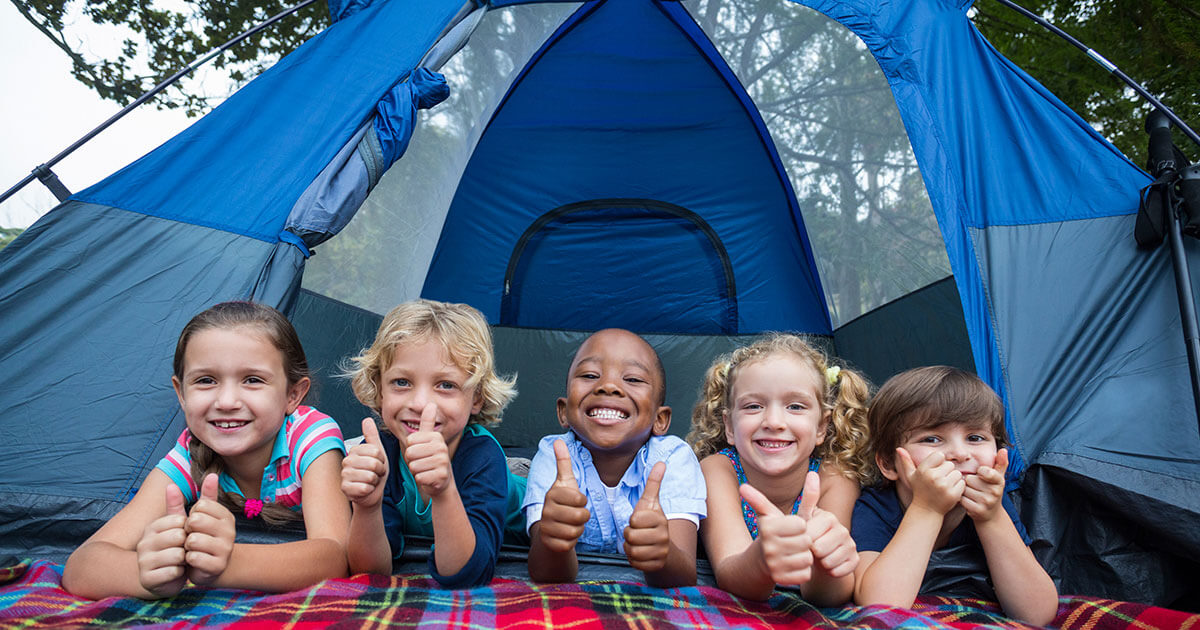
43	109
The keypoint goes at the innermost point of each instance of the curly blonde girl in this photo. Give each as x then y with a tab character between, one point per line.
462	331
844	393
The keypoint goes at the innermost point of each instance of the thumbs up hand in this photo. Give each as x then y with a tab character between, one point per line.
647	539
832	547
365	469
427	455
210	533
160	552
982	497
564	511
936	484
783	539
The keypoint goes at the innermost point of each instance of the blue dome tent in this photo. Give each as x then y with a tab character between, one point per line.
696	174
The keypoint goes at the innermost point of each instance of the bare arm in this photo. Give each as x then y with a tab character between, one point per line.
834	554
107	563
1023	587
664	550
564	514
894	576
735	557
289	566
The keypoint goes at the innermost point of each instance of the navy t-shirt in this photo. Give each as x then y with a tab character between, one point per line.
958	569
481	475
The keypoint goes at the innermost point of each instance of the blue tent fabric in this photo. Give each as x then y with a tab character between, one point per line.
283	127
626	122
578	125
332	199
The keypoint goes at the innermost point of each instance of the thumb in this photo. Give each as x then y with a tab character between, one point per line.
370	432
428	418
810	494
761	504
649	500
563	458
210	487
1001	463
175	501
907	467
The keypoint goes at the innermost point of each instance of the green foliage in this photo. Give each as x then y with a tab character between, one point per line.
1152	41
157	41
7	235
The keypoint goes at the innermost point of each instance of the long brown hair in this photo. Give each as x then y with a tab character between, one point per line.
279	331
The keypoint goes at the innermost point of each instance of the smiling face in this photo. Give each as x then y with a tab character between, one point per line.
967	446
775	418
422	372
614	394
234	393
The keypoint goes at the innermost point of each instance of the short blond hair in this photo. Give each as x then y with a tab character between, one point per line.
462	331
843	392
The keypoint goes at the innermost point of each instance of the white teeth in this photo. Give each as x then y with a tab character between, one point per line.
773	443
607	414
229	424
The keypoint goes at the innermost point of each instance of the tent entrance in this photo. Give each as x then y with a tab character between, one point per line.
647	246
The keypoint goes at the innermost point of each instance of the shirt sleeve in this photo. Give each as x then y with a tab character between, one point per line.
177	464
873	522
481	475
543	470
683	493
312	435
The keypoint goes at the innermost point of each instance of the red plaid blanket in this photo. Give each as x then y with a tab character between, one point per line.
31	596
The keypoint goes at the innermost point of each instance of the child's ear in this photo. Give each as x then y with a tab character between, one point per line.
662	421
178	389
296	393
887	465
728	427
477	406
561	408
823	428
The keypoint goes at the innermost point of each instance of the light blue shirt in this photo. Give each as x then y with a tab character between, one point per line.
682	494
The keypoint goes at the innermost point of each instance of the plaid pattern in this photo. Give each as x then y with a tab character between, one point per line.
32	597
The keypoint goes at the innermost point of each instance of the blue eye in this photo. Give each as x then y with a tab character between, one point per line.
400	382
447	385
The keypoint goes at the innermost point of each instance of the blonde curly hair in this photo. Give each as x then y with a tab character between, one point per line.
846	398
462	331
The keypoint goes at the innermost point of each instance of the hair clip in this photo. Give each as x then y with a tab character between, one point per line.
832	373
252	508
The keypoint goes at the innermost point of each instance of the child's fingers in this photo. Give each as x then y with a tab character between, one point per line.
760	503
370	432
810	494
428	418
841	561
1001	463
907	467
210	487
175	504
649	499
562	458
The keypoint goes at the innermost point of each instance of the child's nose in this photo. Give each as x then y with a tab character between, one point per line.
957	452
609	385
419	399
773	417
227	397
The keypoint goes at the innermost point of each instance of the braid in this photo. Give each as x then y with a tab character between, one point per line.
206	462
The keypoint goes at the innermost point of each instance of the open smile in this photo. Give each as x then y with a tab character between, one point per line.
229	425
607	415
773	445
412	426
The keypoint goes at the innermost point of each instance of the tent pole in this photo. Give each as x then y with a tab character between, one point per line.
43	171
1187	303
1110	67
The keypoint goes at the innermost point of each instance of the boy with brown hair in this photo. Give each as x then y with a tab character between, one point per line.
935	435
